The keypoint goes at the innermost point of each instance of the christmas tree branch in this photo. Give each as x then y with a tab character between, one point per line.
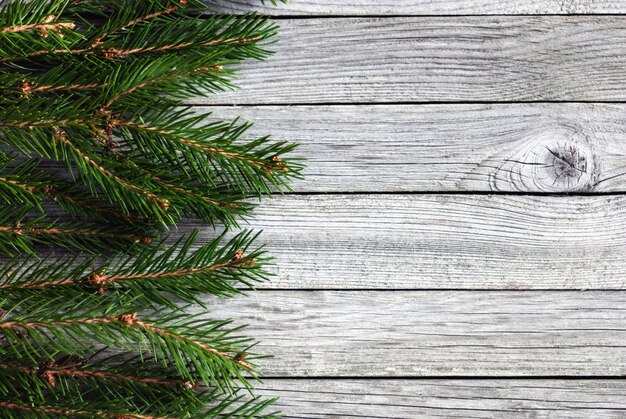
29	88
55	231
152	274
39	188
50	370
44	28
71	413
21	233
214	366
145	17
63	138
97	85
168	77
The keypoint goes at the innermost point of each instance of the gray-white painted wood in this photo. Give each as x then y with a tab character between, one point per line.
421	7
449	59
322	398
445	241
438	148
428	334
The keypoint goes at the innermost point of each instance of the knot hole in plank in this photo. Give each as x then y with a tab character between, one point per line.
554	161
568	163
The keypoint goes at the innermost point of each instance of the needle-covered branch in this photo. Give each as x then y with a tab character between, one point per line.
198	349
98	155
154	275
106	102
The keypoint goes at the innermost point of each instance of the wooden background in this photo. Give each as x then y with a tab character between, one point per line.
458	247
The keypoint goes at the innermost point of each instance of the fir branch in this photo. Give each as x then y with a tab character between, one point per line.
50	370
47	410
138	385
95	84
122	53
25	185
150	276
205	34
130	320
169	77
139	19
29	88
21	232
250	167
195	354
18	13
63	138
44	28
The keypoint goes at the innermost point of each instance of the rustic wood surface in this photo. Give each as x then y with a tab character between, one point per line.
322	398
435	333
465	181
551	147
422	7
439	59
444	241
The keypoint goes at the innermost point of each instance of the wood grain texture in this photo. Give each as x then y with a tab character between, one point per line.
446	148
322	398
445	241
434	334
442	59
421	7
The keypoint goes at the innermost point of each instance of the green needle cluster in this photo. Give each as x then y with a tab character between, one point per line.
101	316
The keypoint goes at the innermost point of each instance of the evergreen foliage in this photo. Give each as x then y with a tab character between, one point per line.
99	157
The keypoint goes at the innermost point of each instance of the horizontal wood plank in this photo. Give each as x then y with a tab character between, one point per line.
444	241
440	148
434	333
321	398
442	59
419	7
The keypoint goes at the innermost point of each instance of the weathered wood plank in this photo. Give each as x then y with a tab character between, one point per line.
438	148
434	333
320	398
445	241
421	7
448	59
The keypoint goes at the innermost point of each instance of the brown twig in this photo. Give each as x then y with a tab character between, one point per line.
187	192
14	182
99	279
71	413
29	88
120	53
44	27
130	320
160	79
170	9
38	231
49	370
277	163
49	123
55	196
60	136
51	193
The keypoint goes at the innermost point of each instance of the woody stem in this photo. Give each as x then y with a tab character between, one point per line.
74	372
70	412
98	279
129	320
